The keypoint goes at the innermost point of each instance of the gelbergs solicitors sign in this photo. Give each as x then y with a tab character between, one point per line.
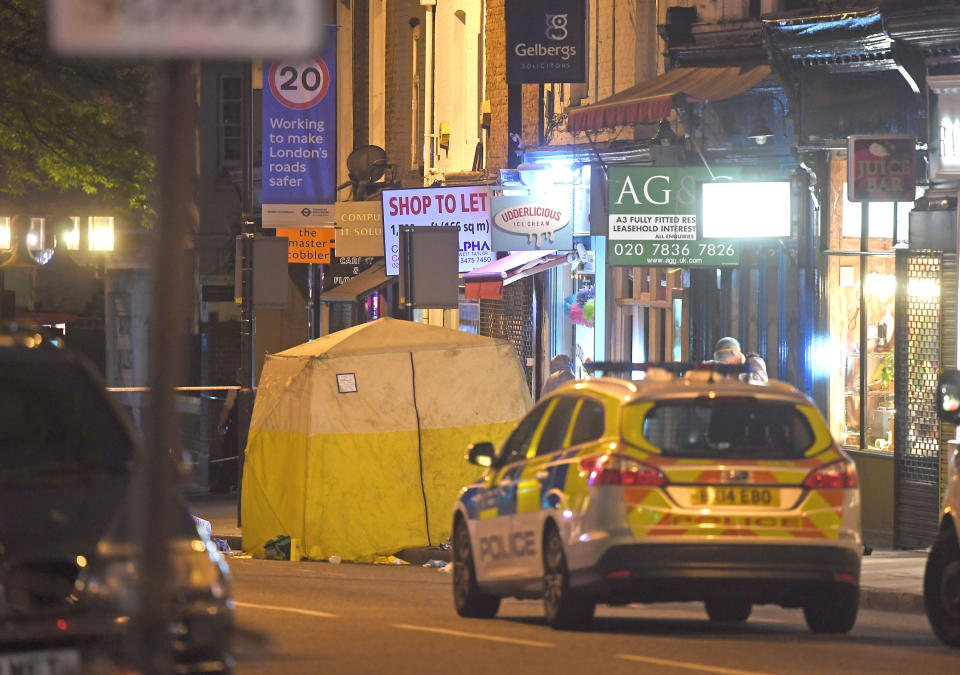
546	41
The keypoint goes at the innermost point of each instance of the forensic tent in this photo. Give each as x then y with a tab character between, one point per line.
357	440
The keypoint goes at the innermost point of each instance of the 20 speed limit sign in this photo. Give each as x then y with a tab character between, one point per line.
299	84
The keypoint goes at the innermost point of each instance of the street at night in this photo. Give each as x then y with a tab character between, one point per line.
310	617
640	315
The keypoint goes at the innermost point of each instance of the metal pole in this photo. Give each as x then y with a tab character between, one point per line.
762	301
245	395
154	480
864	245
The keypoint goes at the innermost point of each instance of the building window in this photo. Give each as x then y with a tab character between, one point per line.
100	233
230	129
72	238
4	232
35	235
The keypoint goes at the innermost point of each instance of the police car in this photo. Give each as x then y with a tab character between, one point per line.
686	485
941	579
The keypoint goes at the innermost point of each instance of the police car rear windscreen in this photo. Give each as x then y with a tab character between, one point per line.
727	428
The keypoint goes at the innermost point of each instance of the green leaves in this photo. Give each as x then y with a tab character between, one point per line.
70	125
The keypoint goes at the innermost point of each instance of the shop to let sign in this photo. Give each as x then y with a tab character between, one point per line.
653	218
308	244
466	207
881	168
299	139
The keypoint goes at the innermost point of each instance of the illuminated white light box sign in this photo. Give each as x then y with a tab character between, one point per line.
945	154
744	210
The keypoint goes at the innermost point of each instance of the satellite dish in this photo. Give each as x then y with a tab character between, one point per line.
367	163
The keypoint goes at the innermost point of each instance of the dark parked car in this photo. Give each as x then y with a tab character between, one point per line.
68	568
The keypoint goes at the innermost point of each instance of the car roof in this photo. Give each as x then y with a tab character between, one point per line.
693	384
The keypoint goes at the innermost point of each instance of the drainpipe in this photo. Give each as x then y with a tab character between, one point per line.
428	91
414	93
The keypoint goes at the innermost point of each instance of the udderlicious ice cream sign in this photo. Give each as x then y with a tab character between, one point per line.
522	224
546	41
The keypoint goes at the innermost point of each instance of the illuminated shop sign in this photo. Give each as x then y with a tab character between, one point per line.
526	224
465	207
653	218
744	210
881	168
945	155
546	41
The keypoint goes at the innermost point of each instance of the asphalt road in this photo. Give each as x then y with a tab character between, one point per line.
311	617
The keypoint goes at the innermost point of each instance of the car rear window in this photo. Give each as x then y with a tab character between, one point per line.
721	428
55	421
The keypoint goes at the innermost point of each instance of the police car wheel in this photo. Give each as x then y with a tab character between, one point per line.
941	588
832	610
469	600
562	606
728	610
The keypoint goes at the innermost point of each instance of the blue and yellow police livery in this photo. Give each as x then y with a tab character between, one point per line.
687	487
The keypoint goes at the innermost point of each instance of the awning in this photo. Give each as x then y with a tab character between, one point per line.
487	282
650	101
366	282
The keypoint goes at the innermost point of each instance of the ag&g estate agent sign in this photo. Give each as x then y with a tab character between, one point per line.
653	218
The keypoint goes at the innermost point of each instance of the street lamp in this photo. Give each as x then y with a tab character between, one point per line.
760	132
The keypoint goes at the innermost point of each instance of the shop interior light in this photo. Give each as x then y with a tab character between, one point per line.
882	286
923	288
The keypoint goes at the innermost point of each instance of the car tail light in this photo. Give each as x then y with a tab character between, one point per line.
613	469
837	475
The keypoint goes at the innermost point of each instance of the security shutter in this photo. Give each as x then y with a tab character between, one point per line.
511	318
926	330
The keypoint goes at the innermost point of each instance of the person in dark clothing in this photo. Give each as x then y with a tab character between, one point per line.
559	373
223	473
727	350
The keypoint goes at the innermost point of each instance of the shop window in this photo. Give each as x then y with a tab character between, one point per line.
861	287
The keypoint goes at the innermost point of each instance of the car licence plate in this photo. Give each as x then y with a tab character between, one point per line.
51	662
735	496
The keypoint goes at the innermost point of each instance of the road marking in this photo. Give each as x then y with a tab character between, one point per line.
476	636
689	666
292	610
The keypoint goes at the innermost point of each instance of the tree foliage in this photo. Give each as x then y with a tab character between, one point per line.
68	124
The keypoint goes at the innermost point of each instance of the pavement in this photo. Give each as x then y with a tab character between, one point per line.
890	580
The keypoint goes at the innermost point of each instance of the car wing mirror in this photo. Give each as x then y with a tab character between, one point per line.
482	454
948	396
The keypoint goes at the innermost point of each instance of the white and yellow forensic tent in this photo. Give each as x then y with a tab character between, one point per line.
357	439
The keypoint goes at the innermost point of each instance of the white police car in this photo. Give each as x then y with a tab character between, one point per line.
688	485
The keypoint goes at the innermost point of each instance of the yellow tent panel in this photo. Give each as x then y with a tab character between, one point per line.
357	440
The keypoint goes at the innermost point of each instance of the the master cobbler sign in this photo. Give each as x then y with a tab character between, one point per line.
881	168
546	41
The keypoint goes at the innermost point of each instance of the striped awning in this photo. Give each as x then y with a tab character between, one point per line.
651	100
